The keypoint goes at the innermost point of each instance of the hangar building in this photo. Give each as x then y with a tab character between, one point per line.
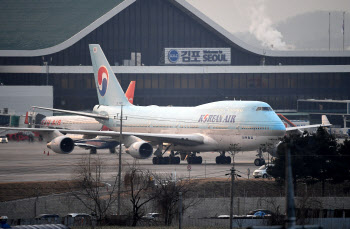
176	54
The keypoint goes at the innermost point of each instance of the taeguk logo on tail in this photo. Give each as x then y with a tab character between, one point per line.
102	80
173	55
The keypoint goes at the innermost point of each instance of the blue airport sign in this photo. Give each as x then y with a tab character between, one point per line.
195	56
173	56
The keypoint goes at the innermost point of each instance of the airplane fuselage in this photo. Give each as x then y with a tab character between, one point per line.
72	122
248	124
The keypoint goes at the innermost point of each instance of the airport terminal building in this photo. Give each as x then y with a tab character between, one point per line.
176	54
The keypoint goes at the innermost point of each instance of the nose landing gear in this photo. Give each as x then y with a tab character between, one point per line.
259	161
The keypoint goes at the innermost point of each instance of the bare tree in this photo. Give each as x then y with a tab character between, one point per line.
95	194
139	187
166	194
233	150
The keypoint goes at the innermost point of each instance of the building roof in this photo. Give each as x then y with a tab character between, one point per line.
42	27
40	24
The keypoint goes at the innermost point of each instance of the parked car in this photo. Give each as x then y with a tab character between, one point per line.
48	218
223	217
260	213
3	139
261	172
151	216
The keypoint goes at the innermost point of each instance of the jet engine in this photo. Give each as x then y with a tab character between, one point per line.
140	150
62	145
273	151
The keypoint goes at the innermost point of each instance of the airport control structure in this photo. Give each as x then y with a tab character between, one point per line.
175	53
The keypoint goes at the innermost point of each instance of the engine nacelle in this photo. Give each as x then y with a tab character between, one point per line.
273	151
62	145
140	150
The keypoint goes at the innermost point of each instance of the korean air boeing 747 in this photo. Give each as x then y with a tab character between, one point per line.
217	126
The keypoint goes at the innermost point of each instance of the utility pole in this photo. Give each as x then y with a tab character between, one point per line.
120	157
231	201
290	218
343	29
329	31
180	210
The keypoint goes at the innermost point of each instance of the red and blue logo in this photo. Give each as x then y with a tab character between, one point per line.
102	80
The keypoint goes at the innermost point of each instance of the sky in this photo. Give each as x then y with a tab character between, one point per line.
259	17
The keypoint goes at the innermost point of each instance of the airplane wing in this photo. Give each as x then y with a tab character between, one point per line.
306	127
180	139
325	123
91	115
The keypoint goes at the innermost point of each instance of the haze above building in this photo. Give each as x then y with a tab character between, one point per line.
282	25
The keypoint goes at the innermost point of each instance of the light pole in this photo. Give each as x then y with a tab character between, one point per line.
231	199
120	157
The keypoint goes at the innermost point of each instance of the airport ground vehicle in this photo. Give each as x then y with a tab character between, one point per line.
78	219
151	216
261	172
3	139
260	213
47	218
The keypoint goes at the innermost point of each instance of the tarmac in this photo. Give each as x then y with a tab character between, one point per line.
24	161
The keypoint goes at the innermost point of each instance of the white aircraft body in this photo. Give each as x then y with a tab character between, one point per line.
73	122
217	126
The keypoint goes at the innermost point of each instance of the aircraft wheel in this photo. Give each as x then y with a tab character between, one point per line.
192	160
174	160
218	160
265	176
112	150
257	162
93	151
155	160
228	160
262	161
165	160
199	160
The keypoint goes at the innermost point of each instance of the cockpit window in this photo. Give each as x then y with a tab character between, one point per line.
264	109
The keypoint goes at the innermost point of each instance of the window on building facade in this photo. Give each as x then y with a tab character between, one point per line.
228	81
154	81
184	81
177	82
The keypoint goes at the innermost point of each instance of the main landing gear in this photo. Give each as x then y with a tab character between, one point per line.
193	159
93	151
222	159
260	160
160	160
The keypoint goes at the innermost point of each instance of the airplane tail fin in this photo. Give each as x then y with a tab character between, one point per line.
325	120
26	121
130	92
109	91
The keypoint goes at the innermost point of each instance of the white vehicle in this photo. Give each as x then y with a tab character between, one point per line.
261	172
151	216
3	139
216	126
